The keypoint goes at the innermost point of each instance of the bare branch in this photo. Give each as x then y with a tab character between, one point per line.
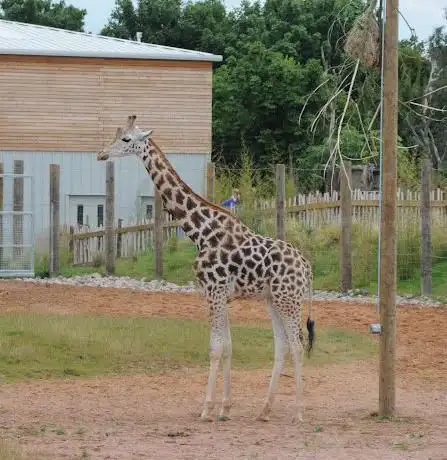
428	107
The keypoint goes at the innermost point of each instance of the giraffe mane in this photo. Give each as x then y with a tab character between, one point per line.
190	190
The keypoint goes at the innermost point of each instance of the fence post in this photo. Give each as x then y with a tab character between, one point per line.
1	216
19	168
109	245
158	234
211	181
280	201
71	240
346	226
119	239
426	244
54	219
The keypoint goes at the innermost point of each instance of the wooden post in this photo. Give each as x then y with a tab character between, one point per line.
17	220
346	226
211	182
280	201
119	239
387	384
426	245
1	216
54	219
158	234
109	243
71	240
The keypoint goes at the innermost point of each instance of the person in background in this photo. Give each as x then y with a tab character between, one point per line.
233	201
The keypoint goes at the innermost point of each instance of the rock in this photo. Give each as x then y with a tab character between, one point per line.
143	284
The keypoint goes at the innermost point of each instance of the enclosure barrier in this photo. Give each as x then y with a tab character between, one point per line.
313	211
16	222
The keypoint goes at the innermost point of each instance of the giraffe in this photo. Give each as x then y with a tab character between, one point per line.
232	261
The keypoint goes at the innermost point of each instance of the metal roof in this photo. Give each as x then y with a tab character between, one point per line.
29	39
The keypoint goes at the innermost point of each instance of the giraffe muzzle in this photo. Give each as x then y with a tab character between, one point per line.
102	156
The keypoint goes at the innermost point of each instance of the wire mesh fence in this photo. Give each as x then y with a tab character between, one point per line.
16	223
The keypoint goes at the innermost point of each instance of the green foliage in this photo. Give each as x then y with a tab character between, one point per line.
63	346
13	451
44	12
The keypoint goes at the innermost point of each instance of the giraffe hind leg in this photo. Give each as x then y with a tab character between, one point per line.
281	346
286	319
293	328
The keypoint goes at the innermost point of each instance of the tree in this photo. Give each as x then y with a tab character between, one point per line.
281	56
257	102
158	20
44	12
204	26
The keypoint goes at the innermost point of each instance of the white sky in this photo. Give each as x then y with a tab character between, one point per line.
422	15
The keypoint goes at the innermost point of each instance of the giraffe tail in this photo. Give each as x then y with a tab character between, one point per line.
310	324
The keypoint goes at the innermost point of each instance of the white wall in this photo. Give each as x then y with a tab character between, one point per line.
82	174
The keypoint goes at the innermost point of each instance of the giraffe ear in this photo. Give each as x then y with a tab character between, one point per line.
143	135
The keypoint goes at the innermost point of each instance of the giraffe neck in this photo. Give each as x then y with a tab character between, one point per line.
204	223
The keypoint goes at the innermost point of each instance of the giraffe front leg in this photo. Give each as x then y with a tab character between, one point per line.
226	365
210	398
218	350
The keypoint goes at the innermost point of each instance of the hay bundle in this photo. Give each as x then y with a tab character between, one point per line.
363	40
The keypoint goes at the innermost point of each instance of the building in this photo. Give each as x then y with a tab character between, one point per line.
64	94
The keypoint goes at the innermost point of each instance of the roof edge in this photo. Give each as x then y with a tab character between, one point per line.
116	55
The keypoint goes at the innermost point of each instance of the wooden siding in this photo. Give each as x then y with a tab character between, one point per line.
75	105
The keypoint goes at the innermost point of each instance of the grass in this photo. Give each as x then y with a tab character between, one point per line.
8	452
53	346
177	263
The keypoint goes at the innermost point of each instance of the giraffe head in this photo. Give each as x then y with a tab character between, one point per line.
130	140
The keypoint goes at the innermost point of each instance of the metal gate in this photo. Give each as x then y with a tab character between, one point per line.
16	223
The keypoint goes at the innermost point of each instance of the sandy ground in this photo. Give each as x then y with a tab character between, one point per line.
156	416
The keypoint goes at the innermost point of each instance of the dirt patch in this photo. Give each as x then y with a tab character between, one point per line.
156	416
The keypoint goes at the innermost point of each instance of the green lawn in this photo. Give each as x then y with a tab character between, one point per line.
8	451
55	346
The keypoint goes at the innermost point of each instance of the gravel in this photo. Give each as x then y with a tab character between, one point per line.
125	282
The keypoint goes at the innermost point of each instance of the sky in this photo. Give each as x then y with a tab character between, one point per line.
422	15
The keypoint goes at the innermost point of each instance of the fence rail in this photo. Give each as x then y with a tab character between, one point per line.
313	210
88	245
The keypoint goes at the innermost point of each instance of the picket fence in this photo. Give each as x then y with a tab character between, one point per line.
312	210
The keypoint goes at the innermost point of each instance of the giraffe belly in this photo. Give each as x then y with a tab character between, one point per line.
242	290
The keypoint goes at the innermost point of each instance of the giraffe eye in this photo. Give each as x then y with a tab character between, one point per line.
125	139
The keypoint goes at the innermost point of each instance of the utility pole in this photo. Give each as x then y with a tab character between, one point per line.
387	390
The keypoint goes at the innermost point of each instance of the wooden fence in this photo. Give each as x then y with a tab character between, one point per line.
318	209
88	245
102	246
313	210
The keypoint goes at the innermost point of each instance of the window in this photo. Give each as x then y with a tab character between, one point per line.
100	215
80	214
149	212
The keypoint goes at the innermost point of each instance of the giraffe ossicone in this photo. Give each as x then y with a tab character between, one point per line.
232	261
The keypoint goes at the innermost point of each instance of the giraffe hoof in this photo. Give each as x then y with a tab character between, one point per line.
297	419
206	418
222	418
262	418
